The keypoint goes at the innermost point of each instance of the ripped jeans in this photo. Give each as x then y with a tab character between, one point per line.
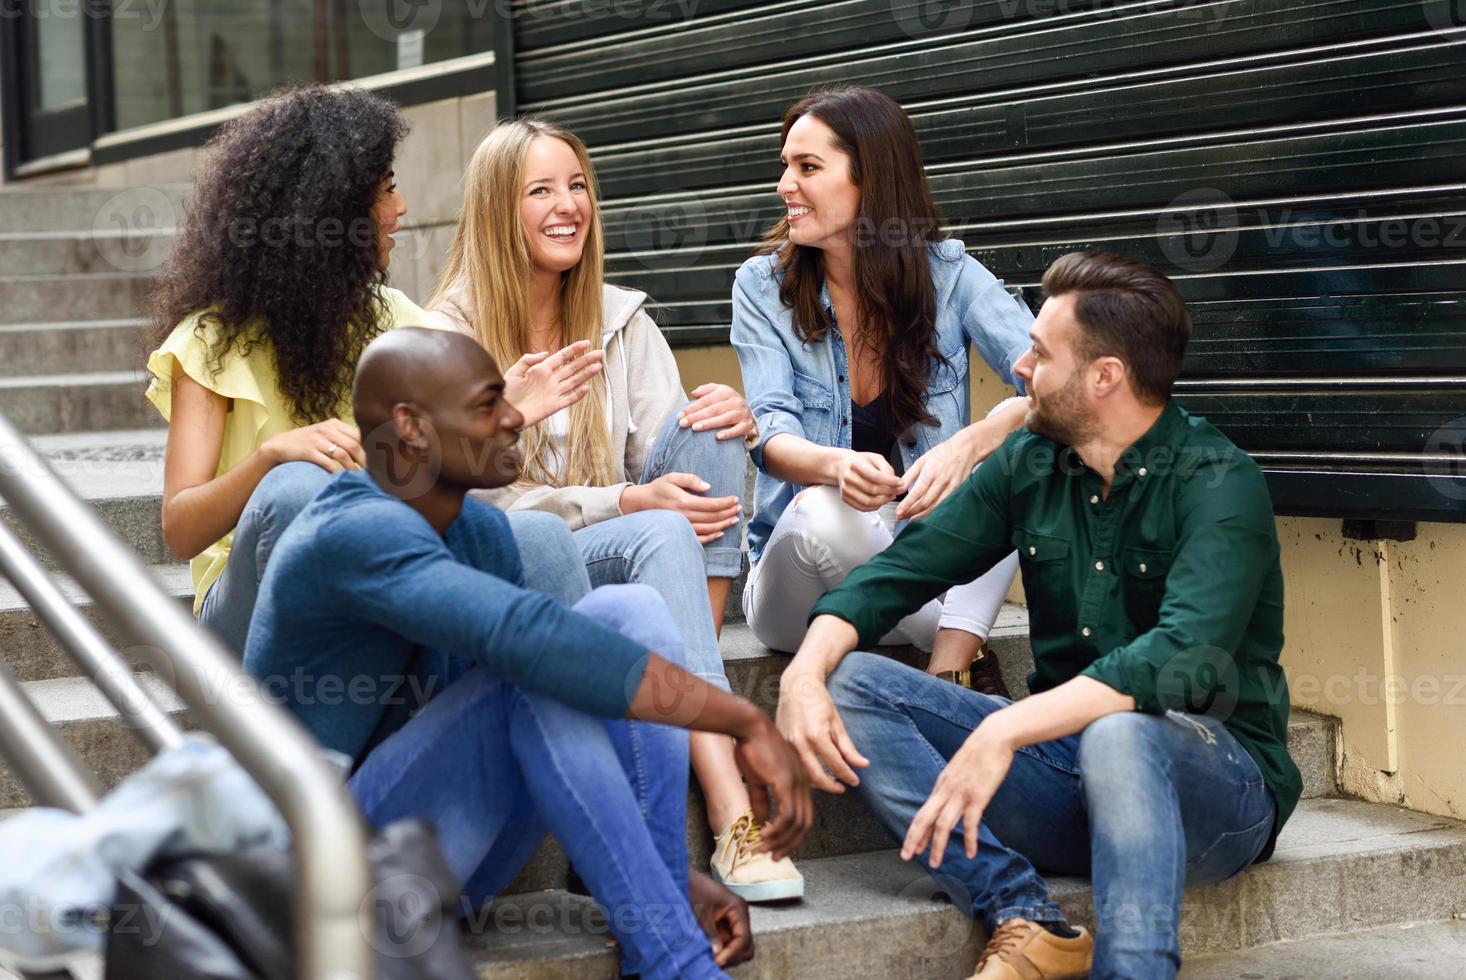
1144	804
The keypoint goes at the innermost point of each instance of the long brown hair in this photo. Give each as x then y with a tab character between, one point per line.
896	223
491	255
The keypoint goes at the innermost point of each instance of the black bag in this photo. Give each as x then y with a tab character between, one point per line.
229	916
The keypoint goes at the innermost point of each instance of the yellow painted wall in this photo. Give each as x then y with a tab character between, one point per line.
1376	636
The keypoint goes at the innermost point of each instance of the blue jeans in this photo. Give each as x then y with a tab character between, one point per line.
1145	804
495	768
279	497
658	547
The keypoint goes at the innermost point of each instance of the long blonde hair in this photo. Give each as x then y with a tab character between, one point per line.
491	254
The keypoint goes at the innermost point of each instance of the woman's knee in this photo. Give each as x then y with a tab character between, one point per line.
822	521
662	533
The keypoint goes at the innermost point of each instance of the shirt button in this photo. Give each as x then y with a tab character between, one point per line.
1094	499
1099	566
1086	631
1142	567
1032	552
1142	471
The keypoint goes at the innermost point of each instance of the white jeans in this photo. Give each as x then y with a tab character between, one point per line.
818	541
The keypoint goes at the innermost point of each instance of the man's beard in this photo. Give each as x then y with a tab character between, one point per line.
1062	415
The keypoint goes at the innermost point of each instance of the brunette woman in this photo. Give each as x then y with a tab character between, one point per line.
852	327
649	482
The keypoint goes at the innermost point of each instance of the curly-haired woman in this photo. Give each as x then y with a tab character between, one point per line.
640	474
852	328
275	286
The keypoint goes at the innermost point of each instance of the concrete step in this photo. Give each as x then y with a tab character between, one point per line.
1412	951
91	725
68	252
93	402
871	915
82	209
77	296
29	651
70	346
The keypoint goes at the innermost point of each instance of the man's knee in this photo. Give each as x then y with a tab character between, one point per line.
639	613
1111	745
857	676
551	560
286	489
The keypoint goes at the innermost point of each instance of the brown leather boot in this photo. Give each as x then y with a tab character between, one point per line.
983	676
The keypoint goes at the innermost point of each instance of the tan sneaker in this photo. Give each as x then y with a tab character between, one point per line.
753	876
1023	950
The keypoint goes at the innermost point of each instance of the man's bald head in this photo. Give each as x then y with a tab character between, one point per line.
429	368
432	413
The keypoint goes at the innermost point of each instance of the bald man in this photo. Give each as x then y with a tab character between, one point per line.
394	620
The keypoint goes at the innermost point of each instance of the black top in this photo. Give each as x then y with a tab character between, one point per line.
869	432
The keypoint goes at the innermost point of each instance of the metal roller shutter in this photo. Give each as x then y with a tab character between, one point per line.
1296	166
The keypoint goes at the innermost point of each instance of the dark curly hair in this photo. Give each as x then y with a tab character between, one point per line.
278	247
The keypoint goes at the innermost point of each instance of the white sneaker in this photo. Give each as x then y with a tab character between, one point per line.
752	875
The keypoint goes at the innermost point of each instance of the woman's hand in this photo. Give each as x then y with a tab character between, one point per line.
541	384
717	407
866	481
682	492
333	445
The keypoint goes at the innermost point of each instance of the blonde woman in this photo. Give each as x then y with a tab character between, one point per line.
642	475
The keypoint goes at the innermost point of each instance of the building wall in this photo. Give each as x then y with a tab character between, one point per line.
429	167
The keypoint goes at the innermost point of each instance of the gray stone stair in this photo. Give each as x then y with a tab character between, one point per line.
95	211
1340	866
90	402
1411	951
75	296
70	346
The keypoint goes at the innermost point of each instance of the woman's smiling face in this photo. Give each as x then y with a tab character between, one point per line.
817	187
555	205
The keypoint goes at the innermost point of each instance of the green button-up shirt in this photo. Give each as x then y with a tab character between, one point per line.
1168	588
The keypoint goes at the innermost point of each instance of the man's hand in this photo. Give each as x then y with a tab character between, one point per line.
717	407
933	477
962	792
808	719
723	917
866	481
769	764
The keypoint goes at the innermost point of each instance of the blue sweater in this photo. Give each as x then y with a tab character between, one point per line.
365	613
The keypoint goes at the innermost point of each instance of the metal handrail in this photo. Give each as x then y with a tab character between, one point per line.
333	925
45	765
85	646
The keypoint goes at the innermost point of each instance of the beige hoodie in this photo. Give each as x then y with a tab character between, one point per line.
637	413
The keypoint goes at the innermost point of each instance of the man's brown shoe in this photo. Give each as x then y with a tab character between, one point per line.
983	676
1023	950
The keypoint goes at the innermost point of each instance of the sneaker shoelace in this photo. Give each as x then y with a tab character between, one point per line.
1006	940
749	835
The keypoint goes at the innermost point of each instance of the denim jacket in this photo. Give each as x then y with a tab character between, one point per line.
804	388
